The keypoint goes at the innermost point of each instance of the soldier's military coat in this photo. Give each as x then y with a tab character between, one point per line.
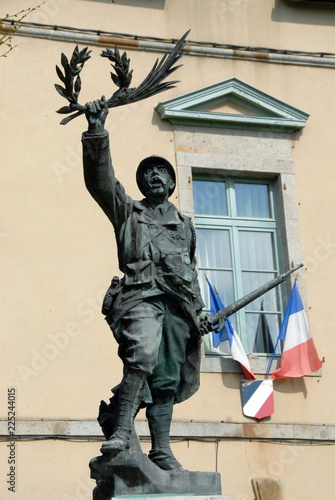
156	248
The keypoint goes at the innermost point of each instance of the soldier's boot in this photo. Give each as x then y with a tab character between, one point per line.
129	399
159	420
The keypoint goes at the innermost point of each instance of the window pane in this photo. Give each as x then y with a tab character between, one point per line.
252	200
222	281
267	302
209	198
262	331
257	250
213	248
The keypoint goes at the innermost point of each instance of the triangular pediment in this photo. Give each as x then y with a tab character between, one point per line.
230	108
232	104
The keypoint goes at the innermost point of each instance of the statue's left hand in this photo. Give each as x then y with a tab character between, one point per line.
96	113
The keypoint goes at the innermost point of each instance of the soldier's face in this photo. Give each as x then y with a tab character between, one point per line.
157	181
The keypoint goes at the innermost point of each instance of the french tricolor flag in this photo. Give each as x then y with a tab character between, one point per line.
227	338
299	356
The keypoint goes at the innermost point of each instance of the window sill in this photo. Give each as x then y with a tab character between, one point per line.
223	364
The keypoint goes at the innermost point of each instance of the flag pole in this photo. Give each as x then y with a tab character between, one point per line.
272	358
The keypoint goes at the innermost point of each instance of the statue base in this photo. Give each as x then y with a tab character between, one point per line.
132	473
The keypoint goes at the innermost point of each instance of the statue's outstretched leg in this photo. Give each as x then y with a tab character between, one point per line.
129	399
159	418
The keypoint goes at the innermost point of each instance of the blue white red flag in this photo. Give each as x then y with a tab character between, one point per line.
299	356
227	338
257	398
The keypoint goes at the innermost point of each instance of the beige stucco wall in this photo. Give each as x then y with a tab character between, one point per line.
58	251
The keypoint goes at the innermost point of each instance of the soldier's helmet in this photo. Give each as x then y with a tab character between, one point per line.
154	160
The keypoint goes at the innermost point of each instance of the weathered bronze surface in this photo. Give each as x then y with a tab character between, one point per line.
153	309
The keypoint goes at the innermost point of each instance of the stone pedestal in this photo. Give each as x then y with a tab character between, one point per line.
173	497
132	473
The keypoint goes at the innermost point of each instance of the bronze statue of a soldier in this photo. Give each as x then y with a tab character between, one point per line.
154	309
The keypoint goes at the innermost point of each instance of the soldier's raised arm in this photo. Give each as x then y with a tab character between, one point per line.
98	169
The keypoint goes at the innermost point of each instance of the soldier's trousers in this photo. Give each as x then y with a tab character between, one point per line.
152	338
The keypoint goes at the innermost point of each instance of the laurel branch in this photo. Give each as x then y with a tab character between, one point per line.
71	79
151	85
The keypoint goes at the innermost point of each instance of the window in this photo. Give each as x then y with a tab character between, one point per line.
237	249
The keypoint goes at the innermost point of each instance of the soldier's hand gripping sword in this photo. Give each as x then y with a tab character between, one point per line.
217	321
